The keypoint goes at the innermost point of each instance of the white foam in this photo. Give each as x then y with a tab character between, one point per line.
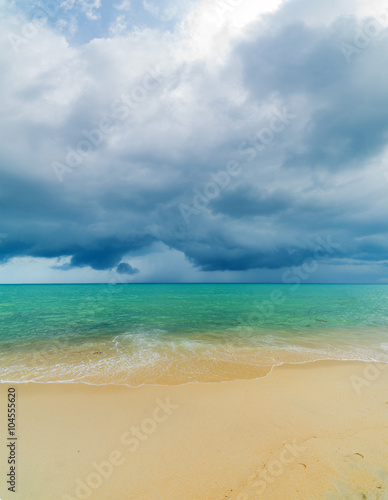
152	353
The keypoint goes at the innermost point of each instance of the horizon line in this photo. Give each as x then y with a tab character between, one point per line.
198	283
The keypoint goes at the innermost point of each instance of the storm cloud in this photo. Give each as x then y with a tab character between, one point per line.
235	137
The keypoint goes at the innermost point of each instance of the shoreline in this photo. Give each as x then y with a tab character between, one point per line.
218	371
211	440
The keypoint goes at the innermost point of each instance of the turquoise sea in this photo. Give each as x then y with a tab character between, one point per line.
179	333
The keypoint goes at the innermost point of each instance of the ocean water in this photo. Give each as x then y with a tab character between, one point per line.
180	333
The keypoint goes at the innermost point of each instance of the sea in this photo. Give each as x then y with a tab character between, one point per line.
160	334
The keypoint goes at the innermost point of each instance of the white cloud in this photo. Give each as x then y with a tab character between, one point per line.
119	26
123	5
89	7
151	7
211	27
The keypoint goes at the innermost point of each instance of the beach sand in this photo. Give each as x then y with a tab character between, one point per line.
308	431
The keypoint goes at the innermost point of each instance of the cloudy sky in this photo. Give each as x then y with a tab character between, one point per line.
191	140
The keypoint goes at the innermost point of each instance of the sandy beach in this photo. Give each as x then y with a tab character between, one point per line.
308	431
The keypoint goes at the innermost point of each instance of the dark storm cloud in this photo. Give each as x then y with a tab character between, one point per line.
246	201
241	259
39	222
345	102
125	268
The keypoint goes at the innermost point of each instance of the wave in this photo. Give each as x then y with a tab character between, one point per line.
155	357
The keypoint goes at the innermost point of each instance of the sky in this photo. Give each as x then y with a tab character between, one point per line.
193	141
